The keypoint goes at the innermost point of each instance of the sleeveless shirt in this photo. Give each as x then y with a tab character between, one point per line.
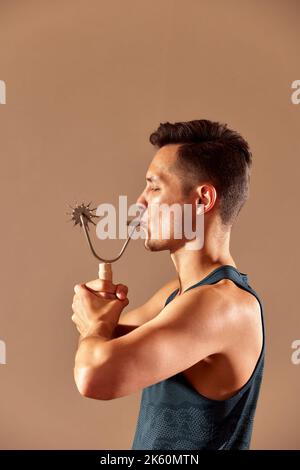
173	415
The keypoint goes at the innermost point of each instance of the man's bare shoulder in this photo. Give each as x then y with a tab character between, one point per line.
227	293
223	310
223	302
238	299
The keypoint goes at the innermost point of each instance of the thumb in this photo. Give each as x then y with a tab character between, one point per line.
121	291
125	302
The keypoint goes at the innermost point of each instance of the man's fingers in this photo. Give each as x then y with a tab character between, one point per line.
76	320
101	285
121	291
106	295
82	295
105	289
125	302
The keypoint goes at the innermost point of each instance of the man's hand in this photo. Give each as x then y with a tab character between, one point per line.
98	303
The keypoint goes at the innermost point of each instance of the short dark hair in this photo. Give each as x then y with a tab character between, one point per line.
210	151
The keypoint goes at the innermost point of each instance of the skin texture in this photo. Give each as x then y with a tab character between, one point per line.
212	333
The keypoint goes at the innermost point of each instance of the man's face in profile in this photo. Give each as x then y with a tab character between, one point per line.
164	187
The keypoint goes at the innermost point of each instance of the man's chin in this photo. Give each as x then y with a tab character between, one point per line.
156	245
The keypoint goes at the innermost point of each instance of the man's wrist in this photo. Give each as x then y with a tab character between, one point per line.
102	330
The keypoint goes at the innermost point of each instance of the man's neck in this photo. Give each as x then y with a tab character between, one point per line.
194	265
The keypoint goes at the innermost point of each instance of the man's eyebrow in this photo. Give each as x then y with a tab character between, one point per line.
153	178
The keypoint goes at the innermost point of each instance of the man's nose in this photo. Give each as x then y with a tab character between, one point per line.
141	200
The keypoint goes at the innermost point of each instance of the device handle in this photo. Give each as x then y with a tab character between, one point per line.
105	272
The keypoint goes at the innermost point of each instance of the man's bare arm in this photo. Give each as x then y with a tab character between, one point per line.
169	343
131	320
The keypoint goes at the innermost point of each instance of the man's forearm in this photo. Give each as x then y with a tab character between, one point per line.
93	352
90	347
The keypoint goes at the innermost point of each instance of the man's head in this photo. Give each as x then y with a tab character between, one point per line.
197	161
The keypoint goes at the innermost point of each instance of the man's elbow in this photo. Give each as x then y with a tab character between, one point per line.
89	386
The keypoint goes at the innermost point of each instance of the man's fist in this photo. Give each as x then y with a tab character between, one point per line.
96	302
107	289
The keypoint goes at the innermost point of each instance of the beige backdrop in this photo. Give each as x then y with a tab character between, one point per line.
87	82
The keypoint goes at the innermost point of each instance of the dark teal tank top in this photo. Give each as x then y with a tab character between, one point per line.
173	415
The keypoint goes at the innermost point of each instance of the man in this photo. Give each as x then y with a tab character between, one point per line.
196	347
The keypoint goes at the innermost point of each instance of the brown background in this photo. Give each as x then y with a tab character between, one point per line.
86	84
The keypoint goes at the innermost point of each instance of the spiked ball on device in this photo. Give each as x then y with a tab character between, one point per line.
84	213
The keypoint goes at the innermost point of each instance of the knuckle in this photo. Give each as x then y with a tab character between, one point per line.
78	288
84	294
122	287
